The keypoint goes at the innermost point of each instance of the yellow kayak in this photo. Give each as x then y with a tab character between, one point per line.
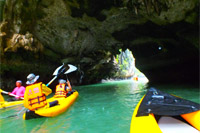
63	105
159	112
6	104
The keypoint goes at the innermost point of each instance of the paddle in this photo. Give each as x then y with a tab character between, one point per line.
60	70
71	69
5	92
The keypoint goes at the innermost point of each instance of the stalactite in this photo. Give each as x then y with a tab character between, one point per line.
156	7
146	6
136	10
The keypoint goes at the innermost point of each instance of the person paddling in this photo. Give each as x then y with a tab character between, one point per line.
35	94
63	89
19	91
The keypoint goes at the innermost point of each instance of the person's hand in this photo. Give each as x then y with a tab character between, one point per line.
18	97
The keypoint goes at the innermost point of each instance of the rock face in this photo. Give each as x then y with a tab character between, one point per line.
163	36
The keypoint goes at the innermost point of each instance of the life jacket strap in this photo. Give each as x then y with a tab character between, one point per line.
38	100
60	93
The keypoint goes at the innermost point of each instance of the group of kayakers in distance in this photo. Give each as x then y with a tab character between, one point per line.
34	94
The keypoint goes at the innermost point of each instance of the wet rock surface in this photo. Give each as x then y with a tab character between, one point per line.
162	35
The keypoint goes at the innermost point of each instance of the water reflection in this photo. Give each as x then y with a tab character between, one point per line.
106	107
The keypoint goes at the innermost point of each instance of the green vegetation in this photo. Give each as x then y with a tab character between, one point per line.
125	63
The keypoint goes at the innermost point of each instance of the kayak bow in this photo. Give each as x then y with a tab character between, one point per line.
7	104
159	112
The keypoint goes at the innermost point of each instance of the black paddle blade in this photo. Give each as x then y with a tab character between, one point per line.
160	103
62	70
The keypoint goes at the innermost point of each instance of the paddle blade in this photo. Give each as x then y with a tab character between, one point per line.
71	69
1	97
58	70
46	90
61	69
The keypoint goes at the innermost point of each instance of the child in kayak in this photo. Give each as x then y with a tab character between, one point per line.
19	90
35	94
63	89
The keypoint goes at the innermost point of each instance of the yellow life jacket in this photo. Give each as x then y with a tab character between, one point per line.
60	91
34	98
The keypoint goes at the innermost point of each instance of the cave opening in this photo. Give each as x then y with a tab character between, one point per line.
124	63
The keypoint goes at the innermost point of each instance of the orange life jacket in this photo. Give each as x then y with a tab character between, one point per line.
34	98
60	91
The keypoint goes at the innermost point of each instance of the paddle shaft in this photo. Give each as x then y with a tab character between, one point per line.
68	83
11	94
51	81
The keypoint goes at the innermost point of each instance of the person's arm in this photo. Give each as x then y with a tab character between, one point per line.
69	85
14	91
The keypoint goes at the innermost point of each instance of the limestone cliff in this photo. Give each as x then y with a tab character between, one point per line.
38	35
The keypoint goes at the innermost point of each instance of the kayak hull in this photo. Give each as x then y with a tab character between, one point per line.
63	105
143	124
7	104
153	123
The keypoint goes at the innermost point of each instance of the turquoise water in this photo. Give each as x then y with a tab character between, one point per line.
100	108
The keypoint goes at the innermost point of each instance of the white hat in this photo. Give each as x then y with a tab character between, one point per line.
19	81
31	78
62	81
